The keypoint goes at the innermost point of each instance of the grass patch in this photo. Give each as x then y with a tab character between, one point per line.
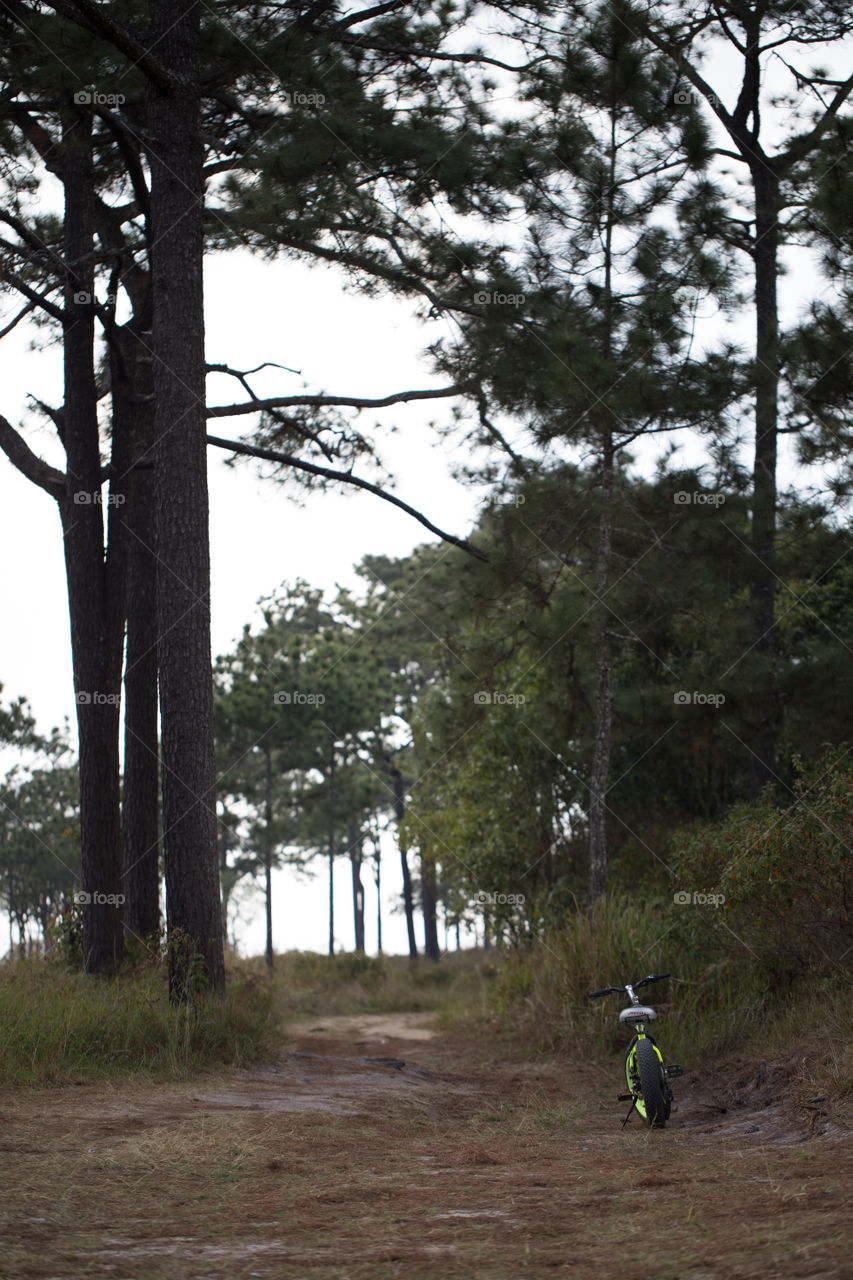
310	985
59	1026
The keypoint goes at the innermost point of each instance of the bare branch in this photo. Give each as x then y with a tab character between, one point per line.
37	299
364	15
345	477
28	463
493	431
242	374
31	306
318	402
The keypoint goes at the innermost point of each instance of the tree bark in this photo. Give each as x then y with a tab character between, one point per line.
133	413
183	596
432	950
603	706
763	581
354	841
377	879
332	852
95	586
268	839
408	899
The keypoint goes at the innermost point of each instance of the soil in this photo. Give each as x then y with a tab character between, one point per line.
377	1148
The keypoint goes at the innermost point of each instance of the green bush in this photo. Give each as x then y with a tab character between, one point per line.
786	876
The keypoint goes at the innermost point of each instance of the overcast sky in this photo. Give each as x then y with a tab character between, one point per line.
296	316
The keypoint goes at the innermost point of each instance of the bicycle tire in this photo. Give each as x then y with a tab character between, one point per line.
632	1077
652	1083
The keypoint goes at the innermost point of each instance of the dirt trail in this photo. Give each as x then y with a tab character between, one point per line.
377	1148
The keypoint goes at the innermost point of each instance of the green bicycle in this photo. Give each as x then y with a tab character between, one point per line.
645	1071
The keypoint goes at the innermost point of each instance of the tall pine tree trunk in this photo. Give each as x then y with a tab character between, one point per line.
603	712
429	905
95	587
377	879
600	771
763	581
183	595
408	897
354	841
332	851
133	411
268	845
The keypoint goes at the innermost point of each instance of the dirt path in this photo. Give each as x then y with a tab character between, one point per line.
376	1148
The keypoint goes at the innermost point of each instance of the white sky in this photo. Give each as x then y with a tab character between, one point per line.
297	316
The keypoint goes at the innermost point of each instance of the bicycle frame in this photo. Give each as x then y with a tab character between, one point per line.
646	1074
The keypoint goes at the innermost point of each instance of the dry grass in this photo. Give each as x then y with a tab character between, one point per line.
59	1026
473	1169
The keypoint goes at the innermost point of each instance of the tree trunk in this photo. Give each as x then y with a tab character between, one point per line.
408	899
763	582
96	614
183	597
332	852
603	712
224	879
377	878
603	708
432	950
354	841
268	854
133	412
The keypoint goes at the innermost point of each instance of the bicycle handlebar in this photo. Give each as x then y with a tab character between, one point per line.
644	982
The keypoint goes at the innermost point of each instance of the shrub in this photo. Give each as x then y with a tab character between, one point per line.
786	875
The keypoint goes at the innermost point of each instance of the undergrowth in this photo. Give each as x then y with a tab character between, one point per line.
717	999
311	985
61	1026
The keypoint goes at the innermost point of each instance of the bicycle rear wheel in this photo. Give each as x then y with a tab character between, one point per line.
656	1095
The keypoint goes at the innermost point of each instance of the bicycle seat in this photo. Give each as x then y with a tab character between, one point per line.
638	1013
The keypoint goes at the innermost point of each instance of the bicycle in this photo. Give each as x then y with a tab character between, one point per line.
645	1071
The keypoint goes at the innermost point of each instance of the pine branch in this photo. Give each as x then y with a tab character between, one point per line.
94	18
28	463
318	402
345	477
805	142
31	306
37	299
354	261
